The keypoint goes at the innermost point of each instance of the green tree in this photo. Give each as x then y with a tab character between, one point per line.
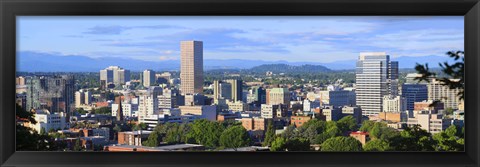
452	71
103	111
153	140
177	133
367	125
279	144
269	135
206	132
234	137
116	129
449	140
377	145
78	145
413	139
348	123
28	139
341	143
298	144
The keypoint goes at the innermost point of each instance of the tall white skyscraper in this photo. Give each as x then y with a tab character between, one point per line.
191	70
376	76
148	78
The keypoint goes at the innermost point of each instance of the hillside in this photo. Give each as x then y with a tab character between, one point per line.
285	68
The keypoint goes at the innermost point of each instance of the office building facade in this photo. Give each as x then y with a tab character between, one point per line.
191	67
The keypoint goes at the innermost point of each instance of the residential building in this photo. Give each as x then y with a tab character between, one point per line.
191	67
148	78
394	104
147	105
427	106
438	91
255	123
82	97
432	123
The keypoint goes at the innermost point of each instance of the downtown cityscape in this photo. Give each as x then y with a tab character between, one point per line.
377	105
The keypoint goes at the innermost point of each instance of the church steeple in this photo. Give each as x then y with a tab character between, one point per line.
118	100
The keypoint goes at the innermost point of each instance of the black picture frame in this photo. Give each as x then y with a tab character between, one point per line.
9	9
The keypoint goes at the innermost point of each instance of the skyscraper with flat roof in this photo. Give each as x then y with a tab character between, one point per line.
376	76
148	78
191	70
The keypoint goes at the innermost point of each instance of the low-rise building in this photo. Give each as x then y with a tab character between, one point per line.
134	138
205	112
363	137
298	121
48	121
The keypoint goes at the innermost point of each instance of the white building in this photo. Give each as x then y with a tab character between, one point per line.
115	75
147	105
376	76
433	123
273	111
310	105
394	104
82	97
128	109
49	121
438	91
148	78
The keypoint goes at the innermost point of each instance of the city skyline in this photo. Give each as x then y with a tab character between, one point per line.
293	39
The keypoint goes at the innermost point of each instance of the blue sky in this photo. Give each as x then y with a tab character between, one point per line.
293	38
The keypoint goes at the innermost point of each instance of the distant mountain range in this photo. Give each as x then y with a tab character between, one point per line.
47	62
280	68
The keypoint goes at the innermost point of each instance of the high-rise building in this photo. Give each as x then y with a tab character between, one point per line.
229	89
278	96
414	93
236	89
191	70
148	78
115	75
147	105
394	104
438	91
376	77
54	93
171	98
82	97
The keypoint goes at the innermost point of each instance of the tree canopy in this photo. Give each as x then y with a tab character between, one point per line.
341	143
234	137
